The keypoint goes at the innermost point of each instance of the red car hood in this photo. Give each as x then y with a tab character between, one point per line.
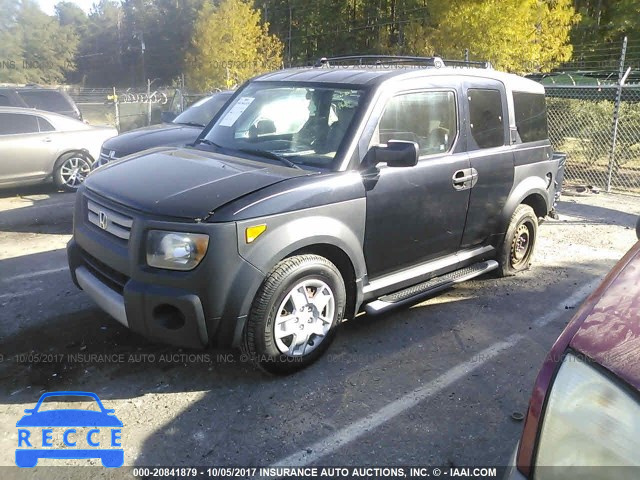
610	333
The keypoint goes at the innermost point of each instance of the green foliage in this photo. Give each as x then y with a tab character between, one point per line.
40	49
106	47
515	35
583	129
230	45
603	25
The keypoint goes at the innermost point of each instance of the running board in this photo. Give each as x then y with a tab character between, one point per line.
430	287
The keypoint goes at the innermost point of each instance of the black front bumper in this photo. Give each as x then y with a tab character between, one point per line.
167	314
190	309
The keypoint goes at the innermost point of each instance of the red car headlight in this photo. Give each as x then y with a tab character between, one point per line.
590	420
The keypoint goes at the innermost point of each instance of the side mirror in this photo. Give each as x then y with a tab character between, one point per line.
397	153
167	117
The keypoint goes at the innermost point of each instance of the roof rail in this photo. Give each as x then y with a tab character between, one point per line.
436	62
468	63
380	60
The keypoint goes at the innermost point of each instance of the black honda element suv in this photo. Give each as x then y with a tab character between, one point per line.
360	184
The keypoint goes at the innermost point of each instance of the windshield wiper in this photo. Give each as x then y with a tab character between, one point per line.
270	154
190	124
207	142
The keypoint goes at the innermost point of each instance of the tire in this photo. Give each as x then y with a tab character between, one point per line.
70	171
518	245
287	330
638	229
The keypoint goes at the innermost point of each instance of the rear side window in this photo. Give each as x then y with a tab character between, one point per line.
44	125
427	118
15	123
4	101
48	100
486	117
531	116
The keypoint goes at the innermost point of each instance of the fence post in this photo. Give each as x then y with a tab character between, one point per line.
148	102
117	108
616	113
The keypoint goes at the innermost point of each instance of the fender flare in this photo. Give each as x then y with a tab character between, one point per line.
288	237
533	188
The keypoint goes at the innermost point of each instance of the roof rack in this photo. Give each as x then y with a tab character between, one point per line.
436	62
468	63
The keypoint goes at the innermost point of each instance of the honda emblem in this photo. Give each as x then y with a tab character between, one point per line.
104	221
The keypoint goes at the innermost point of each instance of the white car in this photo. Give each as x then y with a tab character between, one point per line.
38	146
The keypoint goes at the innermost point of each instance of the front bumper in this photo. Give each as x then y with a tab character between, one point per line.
188	309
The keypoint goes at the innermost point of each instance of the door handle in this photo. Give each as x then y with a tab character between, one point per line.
464	179
47	140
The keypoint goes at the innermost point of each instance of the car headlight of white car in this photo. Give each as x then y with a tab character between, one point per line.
590	420
176	250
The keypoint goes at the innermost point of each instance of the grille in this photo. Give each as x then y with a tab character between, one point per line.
107	275
110	221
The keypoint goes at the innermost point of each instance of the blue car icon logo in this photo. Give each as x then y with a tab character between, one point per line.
83	433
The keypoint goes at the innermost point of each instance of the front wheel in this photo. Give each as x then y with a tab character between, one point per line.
517	248
71	170
295	313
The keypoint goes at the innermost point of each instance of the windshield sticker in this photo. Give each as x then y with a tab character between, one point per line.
238	109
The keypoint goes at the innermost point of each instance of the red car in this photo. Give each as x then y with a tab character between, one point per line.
585	407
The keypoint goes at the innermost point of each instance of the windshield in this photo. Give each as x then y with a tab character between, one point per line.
305	125
201	112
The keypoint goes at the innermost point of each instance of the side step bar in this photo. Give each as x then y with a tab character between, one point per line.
430	287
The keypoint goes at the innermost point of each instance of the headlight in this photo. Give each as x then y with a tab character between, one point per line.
589	421
175	250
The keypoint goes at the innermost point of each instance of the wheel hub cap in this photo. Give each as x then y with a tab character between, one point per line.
304	318
74	171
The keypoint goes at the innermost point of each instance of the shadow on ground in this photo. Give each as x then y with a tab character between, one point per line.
589	214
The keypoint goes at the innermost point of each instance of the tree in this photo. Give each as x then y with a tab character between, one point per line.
69	14
100	53
48	49
167	36
10	46
229	45
515	35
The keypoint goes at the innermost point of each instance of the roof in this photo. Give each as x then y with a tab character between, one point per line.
33	111
371	75
62	122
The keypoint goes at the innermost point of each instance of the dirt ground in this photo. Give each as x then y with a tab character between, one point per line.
435	384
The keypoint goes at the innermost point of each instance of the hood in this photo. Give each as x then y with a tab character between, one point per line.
165	134
610	333
183	182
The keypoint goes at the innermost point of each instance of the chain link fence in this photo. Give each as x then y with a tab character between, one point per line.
582	121
130	108
602	141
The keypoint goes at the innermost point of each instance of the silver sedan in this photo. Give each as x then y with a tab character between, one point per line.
38	146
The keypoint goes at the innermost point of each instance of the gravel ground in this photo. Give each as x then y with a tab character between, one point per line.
435	384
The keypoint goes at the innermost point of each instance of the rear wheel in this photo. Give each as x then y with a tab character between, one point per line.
295	313
70	171
517	248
